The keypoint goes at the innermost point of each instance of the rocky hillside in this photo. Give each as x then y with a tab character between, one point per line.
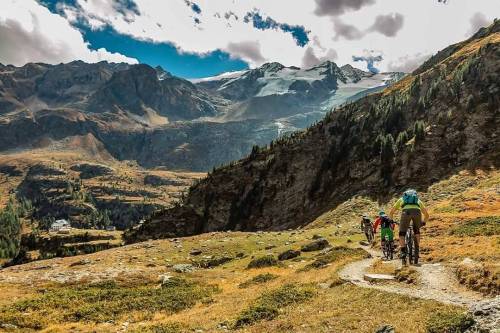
136	112
442	119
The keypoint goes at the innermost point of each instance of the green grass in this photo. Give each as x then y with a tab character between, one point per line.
270	304
335	254
264	261
103	302
480	226
258	279
449	322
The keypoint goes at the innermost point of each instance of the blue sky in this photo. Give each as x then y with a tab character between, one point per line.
200	38
187	65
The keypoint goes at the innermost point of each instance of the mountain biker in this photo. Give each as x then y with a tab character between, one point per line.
386	228
411	210
366	226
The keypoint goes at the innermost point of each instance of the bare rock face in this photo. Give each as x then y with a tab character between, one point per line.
424	128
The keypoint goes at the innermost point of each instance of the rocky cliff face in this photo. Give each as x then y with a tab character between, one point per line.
429	125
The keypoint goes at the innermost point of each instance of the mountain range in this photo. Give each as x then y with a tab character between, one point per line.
145	114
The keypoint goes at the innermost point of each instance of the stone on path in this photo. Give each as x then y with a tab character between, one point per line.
372	277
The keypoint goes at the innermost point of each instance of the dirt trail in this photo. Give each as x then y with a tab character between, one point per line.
436	282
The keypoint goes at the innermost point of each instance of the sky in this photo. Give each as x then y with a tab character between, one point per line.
200	38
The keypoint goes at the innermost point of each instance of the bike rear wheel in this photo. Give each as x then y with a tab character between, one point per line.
384	250
370	237
410	247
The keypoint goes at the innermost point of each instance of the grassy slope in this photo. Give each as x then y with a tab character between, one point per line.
332	306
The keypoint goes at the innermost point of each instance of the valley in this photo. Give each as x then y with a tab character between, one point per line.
132	200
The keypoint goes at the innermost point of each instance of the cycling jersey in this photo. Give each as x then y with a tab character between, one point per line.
384	222
400	202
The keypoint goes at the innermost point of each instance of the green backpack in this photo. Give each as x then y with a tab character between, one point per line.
410	197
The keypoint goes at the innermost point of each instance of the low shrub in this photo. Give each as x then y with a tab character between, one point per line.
104	301
264	261
449	322
480	226
335	254
480	277
269	305
258	279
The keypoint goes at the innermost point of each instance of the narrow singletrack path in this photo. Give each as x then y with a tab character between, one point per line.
436	282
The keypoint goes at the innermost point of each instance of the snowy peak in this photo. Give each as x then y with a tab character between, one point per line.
354	74
162	74
271	67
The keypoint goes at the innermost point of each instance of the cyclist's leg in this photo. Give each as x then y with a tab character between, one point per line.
390	234
403	227
417	222
383	232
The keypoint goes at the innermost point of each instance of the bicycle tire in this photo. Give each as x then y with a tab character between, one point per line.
410	247
384	249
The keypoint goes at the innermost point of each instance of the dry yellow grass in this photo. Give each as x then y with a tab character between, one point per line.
335	306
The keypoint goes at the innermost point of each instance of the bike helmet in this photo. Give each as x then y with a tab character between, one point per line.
381	213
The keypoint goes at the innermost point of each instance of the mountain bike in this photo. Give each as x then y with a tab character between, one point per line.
370	236
388	249
411	247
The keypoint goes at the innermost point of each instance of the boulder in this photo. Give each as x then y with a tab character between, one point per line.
195	252
213	261
288	254
385	329
316	245
183	268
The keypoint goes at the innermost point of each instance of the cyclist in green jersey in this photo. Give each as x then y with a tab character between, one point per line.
412	209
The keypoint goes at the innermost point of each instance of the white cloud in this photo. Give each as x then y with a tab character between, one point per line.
420	27
407	63
29	32
310	59
477	21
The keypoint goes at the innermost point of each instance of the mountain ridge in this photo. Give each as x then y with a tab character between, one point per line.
421	129
124	106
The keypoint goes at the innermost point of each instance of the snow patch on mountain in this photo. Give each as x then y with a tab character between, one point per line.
222	76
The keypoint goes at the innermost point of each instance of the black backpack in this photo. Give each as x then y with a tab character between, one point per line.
386	222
